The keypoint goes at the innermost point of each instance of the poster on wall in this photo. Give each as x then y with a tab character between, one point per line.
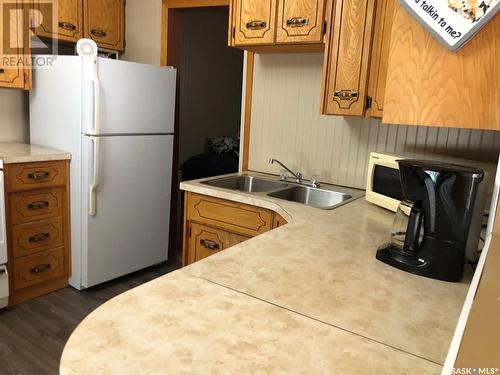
453	22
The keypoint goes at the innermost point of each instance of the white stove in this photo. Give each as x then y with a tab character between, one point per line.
4	277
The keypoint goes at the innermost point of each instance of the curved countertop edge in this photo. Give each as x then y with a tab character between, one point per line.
189	325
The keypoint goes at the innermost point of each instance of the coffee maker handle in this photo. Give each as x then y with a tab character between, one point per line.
411	244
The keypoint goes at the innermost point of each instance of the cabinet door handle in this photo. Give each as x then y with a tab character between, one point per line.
211	245
39	237
39	175
256	25
40	268
297	22
98	33
38	205
67	26
346	94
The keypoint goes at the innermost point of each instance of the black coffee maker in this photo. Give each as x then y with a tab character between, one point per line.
433	222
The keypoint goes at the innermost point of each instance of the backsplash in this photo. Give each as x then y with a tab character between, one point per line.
13	116
287	125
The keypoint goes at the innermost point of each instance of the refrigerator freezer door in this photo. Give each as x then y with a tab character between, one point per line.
129	229
129	98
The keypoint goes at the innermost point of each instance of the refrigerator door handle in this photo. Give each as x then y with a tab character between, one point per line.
95	177
96	87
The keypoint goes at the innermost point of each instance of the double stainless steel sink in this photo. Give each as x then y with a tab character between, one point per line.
324	198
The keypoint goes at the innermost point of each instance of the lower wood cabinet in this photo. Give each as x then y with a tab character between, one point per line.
213	224
38	228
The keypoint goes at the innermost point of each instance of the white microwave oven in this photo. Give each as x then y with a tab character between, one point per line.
383	185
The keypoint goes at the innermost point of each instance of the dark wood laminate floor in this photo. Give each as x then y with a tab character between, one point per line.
33	333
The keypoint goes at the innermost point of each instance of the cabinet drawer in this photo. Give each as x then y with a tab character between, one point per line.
35	205
35	175
205	241
37	268
234	217
36	237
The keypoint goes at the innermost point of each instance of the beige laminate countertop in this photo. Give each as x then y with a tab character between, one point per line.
308	297
11	153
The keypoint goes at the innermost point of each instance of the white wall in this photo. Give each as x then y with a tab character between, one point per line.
143	31
286	125
13	116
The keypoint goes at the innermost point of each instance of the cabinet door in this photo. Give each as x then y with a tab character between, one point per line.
300	21
205	241
104	22
429	85
278	221
348	56
68	25
235	239
254	22
15	69
379	57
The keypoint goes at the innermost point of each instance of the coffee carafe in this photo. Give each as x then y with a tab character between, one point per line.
432	225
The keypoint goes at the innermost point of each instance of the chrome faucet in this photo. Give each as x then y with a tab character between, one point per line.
297	176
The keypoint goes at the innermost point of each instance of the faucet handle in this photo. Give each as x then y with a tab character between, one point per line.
315	181
283	174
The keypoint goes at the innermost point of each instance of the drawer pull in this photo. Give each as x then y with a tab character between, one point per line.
39	237
346	94
40	268
297	22
212	245
39	175
98	33
67	26
256	25
38	205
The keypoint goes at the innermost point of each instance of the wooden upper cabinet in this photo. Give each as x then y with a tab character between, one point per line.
347	57
384	15
429	85
15	71
300	21
254	22
104	22
67	27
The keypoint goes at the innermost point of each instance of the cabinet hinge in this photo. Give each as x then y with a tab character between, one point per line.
234	32
324	26
190	229
368	102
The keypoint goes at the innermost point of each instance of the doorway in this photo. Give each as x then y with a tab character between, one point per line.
208	99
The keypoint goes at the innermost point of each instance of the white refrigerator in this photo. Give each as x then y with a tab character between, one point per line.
117	120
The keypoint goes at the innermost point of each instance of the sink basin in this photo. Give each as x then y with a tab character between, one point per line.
320	198
247	184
